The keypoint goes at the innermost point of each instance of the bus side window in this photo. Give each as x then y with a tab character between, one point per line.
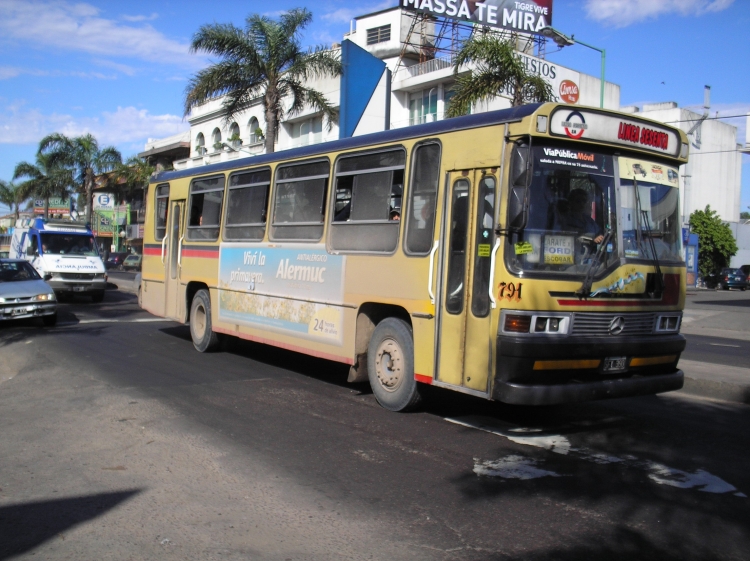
368	202
206	197
161	207
299	201
420	221
247	202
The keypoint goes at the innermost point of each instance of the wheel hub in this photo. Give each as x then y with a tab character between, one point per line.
389	365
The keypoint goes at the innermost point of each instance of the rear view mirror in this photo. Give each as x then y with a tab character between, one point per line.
518	208
520	179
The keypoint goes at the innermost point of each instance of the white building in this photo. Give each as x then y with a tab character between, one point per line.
418	92
713	174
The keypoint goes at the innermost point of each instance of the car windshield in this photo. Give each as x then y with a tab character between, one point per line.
15	271
571	206
68	244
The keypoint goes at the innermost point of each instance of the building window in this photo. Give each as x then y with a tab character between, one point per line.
307	132
216	139
379	34
234	135
423	107
254	133
200	144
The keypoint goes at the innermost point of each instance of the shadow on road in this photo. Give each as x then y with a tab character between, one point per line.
26	526
733	303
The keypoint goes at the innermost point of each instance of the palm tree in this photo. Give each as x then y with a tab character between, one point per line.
44	180
10	194
499	69
266	61
82	155
129	177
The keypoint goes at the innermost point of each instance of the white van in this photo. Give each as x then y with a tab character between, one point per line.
63	253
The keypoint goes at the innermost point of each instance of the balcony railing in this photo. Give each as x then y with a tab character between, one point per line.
426	67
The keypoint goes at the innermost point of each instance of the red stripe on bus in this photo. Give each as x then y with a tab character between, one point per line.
286	346
205	253
152	251
422	378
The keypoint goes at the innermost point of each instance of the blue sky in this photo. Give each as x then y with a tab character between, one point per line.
119	69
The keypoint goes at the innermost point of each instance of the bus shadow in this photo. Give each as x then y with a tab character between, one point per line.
26	526
312	367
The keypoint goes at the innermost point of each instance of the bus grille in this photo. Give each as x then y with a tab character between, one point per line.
597	324
78	276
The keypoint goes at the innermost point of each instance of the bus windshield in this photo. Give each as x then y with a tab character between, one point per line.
68	244
651	213
572	206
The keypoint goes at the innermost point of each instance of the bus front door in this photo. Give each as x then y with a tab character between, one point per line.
464	338
175	308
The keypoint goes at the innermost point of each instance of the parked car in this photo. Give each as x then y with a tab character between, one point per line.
132	263
114	261
24	294
746	269
728	278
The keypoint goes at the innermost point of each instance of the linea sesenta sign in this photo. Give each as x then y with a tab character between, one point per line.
529	16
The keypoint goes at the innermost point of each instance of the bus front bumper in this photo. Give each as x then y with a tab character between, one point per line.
545	372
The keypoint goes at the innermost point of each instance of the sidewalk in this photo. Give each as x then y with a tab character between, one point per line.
704	379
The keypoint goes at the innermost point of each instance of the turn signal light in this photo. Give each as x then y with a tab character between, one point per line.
517	324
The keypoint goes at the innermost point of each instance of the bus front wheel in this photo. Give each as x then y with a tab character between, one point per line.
204	339
390	365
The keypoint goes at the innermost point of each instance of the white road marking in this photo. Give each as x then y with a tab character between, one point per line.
145	320
658	473
512	467
723	345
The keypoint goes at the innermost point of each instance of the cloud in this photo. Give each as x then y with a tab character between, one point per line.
7	72
125	125
621	13
124	68
140	18
78	27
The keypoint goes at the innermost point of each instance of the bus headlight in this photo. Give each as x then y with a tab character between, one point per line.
668	323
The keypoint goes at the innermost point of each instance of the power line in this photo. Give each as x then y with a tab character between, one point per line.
706	119
714	152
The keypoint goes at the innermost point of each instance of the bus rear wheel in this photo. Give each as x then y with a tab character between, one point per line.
204	339
390	365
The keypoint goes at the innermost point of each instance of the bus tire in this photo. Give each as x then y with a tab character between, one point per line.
204	339
390	365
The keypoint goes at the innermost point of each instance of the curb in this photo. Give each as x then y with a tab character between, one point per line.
716	381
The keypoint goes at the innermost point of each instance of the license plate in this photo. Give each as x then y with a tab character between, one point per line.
614	363
19	311
79	288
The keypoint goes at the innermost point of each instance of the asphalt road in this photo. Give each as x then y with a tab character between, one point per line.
120	441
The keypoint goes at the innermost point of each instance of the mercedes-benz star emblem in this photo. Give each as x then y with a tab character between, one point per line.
616	325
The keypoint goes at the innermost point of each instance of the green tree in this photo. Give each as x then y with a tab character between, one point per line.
44	180
264	61
498	68
744	215
716	244
82	155
10	194
129	177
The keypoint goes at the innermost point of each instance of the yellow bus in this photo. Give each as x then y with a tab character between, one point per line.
531	255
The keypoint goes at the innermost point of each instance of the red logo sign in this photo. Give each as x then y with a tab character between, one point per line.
569	91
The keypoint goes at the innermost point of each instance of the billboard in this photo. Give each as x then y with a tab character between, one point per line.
104	201
56	206
528	16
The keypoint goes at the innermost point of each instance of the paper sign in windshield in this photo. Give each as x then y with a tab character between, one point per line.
558	250
522	248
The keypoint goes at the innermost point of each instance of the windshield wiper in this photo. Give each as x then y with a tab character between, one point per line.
642	215
588	279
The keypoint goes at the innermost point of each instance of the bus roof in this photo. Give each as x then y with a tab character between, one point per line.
448	125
